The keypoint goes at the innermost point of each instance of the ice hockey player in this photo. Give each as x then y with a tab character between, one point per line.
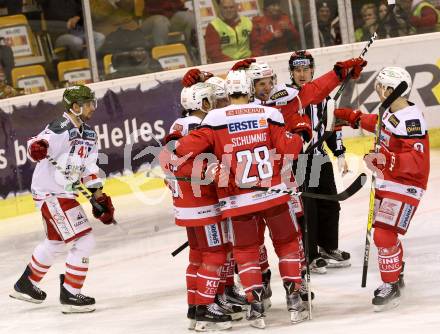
322	216
292	100
242	136
232	293
73	144
402	174
201	215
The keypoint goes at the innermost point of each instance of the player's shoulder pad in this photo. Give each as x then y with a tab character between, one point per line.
274	116
185	124
282	94
60	125
407	122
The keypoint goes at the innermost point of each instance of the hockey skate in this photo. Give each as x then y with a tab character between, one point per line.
335	258
267	290
191	315
235	296
25	290
235	311
295	305
318	266
74	303
211	318
255	314
387	297
400	282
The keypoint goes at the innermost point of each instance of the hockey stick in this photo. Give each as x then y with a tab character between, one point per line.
383	107
329	129
78	186
352	189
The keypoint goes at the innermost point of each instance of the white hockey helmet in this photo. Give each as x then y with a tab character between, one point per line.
192	97
391	77
260	70
218	85
238	82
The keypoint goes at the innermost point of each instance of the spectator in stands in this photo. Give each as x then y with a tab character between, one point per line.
370	22
131	54
390	24
328	26
7	91
163	17
423	16
227	36
6	60
65	25
108	15
273	32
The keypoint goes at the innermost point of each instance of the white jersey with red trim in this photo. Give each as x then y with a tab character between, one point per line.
404	133
194	205
246	139
76	152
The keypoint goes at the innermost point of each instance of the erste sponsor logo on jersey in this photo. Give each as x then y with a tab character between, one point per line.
244	111
279	94
394	121
413	127
247	125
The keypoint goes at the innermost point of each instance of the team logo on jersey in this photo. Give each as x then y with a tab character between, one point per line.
419	147
252	124
394	121
89	134
413	127
178	127
279	94
74	134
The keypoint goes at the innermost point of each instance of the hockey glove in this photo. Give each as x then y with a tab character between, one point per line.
342	68
385	159
243	64
194	76
38	149
221	177
351	116
301	125
105	217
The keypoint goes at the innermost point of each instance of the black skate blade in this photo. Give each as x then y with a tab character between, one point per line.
21	296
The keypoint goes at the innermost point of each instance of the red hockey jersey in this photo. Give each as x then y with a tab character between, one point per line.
404	133
194	204
245	139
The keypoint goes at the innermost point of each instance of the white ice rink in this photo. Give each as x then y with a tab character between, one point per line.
140	288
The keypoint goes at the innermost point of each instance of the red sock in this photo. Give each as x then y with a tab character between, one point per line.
389	254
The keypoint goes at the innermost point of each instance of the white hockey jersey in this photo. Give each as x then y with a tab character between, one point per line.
76	152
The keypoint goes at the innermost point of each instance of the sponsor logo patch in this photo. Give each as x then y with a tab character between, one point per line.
248	125
394	121
405	216
413	127
388	211
244	111
178	127
279	94
213	235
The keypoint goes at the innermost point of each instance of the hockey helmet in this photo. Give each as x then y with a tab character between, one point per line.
260	70
192	97
218	85
392	76
79	94
301	58
238	82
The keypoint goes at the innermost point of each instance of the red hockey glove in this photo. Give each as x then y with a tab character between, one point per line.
243	64
351	116
176	135
38	149
385	159
222	179
342	68
194	76
301	125
105	217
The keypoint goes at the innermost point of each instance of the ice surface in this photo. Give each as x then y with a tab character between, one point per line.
140	288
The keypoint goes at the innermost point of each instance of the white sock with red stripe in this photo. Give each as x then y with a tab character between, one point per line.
43	257
77	263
